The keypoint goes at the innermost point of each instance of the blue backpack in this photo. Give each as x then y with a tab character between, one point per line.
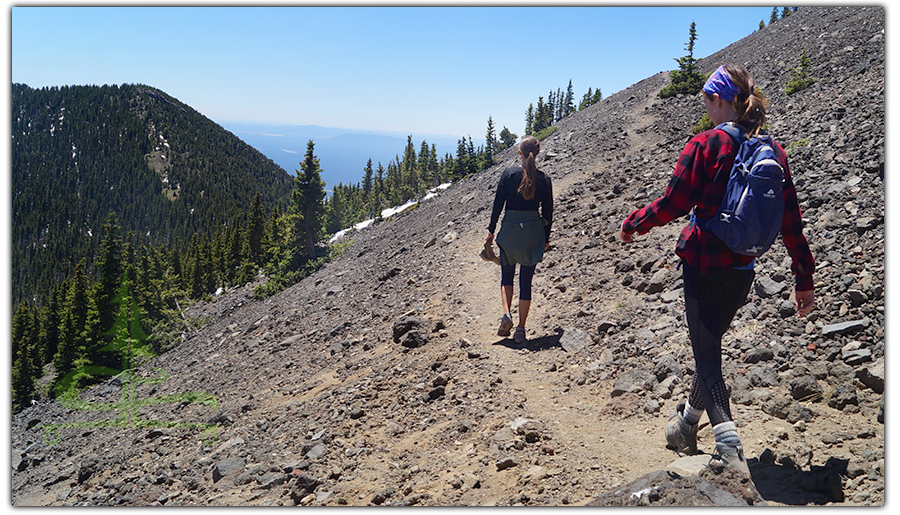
750	215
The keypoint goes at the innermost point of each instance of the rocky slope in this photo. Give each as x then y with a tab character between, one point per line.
380	379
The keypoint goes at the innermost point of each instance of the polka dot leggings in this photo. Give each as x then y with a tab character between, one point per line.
710	303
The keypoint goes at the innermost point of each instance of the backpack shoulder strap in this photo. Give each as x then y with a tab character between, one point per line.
733	130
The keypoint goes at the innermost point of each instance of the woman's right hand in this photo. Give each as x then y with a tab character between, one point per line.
490	237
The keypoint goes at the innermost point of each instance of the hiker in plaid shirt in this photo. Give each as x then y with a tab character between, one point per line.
717	280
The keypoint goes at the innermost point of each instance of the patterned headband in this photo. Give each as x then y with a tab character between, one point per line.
719	82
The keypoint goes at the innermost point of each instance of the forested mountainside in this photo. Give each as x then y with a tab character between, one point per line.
81	152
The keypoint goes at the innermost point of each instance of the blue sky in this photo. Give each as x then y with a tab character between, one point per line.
422	70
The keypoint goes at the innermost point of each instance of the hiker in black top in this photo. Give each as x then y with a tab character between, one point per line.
527	194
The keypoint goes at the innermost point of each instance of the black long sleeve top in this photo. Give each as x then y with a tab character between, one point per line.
513	200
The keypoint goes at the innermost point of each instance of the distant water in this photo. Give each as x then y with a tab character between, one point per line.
342	153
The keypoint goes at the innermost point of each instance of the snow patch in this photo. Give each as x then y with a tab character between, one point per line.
389	212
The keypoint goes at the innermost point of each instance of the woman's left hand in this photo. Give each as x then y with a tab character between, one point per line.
490	237
624	236
805	300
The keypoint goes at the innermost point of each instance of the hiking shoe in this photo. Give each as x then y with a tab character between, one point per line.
680	435
506	324
731	456
520	335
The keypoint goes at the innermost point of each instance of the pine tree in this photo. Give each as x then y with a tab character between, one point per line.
110	268
127	337
540	116
379	197
471	158
424	174
569	101
368	177
774	16
336	210
585	100
490	145
307	201
800	78
687	80
409	173
529	120
25	371
255	231
507	139
51	324
433	169
73	323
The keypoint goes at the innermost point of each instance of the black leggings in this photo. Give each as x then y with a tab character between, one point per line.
526	274
710	302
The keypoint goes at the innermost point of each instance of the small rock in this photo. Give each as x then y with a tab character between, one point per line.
226	466
759	354
845	327
506	463
873	376
573	340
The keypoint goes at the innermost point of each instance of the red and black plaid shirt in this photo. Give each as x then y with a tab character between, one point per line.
692	184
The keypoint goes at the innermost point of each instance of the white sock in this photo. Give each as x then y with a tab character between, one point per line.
691	414
726	432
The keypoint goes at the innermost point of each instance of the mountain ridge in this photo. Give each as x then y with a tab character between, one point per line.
81	152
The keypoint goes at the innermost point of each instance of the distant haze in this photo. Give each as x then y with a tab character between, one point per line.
342	153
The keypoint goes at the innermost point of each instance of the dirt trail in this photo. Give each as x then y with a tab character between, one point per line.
605	451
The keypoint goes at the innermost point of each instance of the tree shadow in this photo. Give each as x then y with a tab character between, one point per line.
786	483
533	345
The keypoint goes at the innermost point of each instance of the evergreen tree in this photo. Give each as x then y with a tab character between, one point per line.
51	324
569	101
507	139
434	170
379	197
73	324
490	145
540	116
800	78
368	178
110	268
127	337
25	371
307	201
409	174
255	231
459	168
687	80
471	158
336	210
774	16
529	120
